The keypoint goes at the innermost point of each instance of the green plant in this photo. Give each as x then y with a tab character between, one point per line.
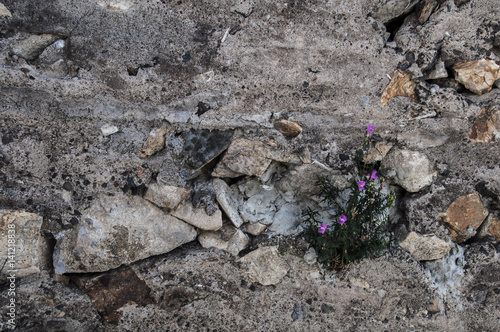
360	227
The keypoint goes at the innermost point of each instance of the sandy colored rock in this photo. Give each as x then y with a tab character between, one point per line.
228	238
378	152
265	266
425	248
253	228
486	127
4	11
118	230
228	201
424	10
198	217
464	216
155	142
31	47
289	129
477	76
410	169
400	85
168	197
19	242
494	228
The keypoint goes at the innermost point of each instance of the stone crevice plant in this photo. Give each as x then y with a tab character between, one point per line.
360	227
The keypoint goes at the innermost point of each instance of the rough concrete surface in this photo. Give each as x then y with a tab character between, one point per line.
115	98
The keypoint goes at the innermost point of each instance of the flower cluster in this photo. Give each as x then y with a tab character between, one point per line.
361	227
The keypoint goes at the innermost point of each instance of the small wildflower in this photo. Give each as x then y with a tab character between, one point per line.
369	129
323	228
372	176
342	219
361	185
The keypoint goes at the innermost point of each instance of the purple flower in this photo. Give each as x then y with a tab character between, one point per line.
323	228
372	176
369	129
361	185
342	219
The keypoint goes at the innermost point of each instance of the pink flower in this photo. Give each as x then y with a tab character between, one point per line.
369	129
323	228
342	219
372	176
361	185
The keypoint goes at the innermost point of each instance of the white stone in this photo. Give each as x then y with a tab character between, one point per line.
425	248
109	129
119	5
198	217
287	220
19	242
4	11
228	201
410	169
118	230
228	238
310	256
265	266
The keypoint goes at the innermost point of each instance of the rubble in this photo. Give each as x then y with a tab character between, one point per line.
477	76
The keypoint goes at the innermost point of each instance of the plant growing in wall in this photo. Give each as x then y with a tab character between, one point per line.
360	227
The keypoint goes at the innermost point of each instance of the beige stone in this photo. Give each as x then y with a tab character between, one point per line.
155	142
4	11
477	76
400	85
424	10
464	216
486	127
378	152
494	228
425	248
198	217
228	238
265	266
254	228
168	197
20	242
289	129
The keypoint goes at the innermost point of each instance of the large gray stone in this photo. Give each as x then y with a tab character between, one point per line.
31	47
412	170
118	230
387	10
425	248
19	242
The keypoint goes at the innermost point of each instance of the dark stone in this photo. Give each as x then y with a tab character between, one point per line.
186	57
202	146
343	157
202	108
327	308
67	186
299	311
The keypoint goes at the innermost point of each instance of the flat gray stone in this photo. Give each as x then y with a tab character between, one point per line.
228	201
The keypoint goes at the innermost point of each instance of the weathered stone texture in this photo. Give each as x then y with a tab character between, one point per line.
425	248
265	266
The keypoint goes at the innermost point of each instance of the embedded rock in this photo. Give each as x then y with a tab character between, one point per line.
439	71
109	130
425	248
113	290
410	169
198	217
155	142
424	10
20	241
464	216
119	5
168	197
31	47
265	266
486	127
289	129
228	238
287	220
494	228
228	200
4	11
260	207
378	152
477	76
202	146
388	10
400	85
118	230
253	228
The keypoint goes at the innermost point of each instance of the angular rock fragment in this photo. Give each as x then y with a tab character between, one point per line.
289	129
388	10
118	230
109	129
464	216
119	5
198	217
412	170
477	76
19	242
424	10
486	127
227	238
168	197
265	266
400	85
439	71
31	47
287	220
112	290
378	152
425	248
202	146
253	228
494	228
155	142
4	11
228	201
